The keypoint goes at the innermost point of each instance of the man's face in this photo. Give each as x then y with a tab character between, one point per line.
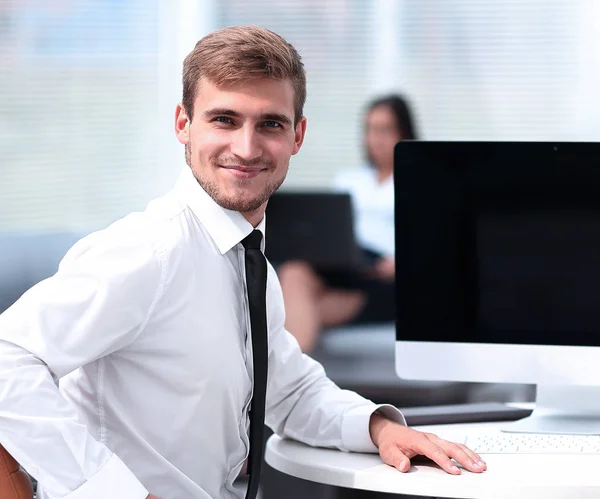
240	141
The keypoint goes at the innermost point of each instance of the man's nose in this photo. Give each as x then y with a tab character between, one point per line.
246	143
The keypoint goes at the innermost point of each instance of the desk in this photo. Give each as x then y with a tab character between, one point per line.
513	476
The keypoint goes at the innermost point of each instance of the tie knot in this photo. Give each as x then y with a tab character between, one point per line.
253	240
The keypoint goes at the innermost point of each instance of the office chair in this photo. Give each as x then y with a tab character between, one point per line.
14	481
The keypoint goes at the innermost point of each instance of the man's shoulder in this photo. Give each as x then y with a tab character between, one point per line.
155	232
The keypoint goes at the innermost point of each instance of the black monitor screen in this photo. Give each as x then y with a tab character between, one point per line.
498	242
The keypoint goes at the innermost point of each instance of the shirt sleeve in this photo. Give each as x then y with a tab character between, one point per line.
97	302
302	403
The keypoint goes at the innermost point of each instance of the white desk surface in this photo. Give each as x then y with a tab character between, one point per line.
514	476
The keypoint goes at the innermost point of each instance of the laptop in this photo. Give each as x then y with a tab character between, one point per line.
315	227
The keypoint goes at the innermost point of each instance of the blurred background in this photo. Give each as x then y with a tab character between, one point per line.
88	87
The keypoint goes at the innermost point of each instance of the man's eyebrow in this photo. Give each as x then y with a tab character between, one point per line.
220	111
211	113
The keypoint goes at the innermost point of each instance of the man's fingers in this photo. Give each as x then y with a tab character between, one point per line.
404	443
474	456
428	448
462	455
393	456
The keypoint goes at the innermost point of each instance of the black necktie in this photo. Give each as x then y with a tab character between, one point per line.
256	283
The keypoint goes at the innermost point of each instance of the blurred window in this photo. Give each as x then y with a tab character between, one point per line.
78	110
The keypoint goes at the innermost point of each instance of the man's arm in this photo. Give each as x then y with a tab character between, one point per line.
97	303
303	404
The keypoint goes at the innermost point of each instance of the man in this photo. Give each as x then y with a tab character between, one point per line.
146	323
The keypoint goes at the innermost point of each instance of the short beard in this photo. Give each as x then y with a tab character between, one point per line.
241	205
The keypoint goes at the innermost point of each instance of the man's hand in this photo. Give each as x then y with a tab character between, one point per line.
398	444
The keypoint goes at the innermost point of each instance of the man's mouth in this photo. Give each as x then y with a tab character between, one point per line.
240	171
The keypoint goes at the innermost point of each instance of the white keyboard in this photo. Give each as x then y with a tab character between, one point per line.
530	443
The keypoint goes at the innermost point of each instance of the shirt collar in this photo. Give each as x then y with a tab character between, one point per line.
226	227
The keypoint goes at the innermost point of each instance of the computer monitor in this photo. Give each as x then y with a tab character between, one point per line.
498	271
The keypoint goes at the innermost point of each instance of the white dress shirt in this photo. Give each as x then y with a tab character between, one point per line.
373	207
146	326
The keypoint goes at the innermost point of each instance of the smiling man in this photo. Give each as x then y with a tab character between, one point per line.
168	349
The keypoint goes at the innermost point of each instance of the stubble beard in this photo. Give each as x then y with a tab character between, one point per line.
242	205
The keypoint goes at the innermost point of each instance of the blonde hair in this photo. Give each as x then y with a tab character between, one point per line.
232	55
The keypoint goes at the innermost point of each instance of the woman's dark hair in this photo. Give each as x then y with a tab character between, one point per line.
401	111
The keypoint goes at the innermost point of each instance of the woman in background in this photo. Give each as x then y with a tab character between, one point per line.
321	298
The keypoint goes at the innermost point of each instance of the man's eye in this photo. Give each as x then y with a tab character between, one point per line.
272	124
223	119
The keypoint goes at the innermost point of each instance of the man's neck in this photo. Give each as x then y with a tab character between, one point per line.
255	217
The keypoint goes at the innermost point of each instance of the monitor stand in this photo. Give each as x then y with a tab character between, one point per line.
567	410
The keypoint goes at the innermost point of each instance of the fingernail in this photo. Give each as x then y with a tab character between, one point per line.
403	465
455	469
481	463
476	465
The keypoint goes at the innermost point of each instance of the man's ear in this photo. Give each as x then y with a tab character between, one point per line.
299	134
182	124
